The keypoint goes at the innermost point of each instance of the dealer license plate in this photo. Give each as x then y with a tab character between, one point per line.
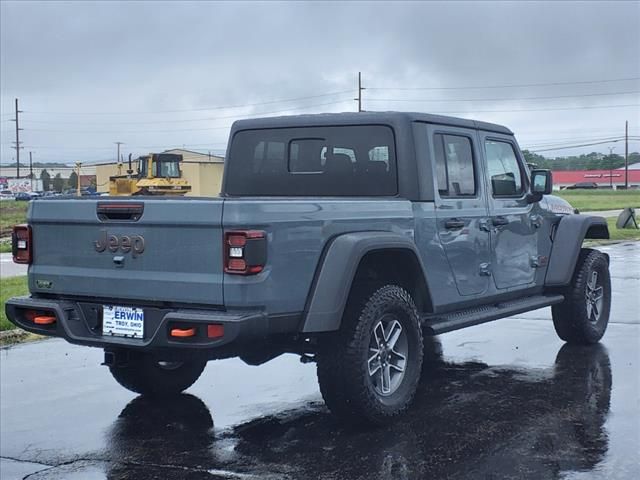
122	321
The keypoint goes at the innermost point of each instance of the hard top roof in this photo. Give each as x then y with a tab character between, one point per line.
355	118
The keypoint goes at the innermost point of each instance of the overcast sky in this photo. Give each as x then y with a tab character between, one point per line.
154	74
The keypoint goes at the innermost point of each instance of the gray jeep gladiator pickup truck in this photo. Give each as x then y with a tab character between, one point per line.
343	238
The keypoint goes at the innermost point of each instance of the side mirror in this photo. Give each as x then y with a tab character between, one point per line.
541	184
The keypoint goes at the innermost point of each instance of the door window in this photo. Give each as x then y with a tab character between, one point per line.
504	169
455	171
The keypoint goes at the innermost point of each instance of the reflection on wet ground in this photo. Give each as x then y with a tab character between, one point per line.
506	400
469	421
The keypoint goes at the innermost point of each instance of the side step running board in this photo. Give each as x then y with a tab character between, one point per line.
437	324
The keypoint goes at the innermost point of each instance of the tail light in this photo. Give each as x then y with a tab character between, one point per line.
245	252
21	246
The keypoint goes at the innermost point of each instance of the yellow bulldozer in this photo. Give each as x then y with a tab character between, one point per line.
157	174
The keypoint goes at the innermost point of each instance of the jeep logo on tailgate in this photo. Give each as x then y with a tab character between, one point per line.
125	243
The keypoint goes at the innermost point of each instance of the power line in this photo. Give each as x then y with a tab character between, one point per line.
540	141
195	109
560	144
594	132
335	103
539	109
568	130
131	131
570	142
497	99
257	115
90	148
227	117
584	82
577	146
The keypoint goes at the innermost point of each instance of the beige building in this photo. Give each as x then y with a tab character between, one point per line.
202	171
12	172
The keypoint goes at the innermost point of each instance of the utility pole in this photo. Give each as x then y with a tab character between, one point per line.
626	155
118	155
78	165
17	142
360	89
31	169
611	149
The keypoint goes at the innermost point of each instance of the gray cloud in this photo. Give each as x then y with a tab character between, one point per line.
148	56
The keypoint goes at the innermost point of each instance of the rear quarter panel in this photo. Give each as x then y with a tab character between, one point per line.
298	231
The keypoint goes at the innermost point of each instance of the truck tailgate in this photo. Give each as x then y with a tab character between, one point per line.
91	248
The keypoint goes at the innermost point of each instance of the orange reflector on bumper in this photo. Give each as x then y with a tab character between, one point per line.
183	332
215	330
44	320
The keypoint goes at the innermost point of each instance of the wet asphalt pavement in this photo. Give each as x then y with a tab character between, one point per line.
10	269
502	400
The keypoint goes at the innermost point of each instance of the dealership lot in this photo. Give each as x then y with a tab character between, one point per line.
501	400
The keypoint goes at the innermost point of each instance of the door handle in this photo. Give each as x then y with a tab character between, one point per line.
499	221
536	221
454	224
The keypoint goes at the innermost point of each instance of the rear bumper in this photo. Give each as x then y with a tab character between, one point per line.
81	323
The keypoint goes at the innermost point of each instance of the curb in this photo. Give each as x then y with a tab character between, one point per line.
12	335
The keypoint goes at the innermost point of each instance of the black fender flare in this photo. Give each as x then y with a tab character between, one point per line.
567	242
332	283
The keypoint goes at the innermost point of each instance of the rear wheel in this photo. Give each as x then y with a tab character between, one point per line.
584	315
148	375
369	369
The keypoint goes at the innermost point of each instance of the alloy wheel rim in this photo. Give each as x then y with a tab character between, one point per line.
388	352
595	297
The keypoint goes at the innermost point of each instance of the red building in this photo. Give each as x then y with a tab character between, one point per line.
603	178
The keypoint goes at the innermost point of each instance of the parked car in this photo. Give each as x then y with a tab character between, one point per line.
23	196
6	195
583	185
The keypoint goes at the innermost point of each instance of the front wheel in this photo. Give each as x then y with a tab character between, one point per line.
584	315
369	369
147	375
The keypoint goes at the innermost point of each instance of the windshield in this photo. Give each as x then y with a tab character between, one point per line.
167	166
321	161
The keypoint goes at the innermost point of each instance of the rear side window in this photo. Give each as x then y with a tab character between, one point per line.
504	169
354	160
455	171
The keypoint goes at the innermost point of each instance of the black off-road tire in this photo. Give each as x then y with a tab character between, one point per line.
573	319
146	375
343	359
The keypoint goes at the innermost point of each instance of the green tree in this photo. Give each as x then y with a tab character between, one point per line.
73	180
46	180
58	183
536	159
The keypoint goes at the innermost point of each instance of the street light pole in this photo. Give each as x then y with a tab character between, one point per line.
78	165
31	169
626	155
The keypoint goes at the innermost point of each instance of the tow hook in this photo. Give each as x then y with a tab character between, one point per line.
115	358
304	358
